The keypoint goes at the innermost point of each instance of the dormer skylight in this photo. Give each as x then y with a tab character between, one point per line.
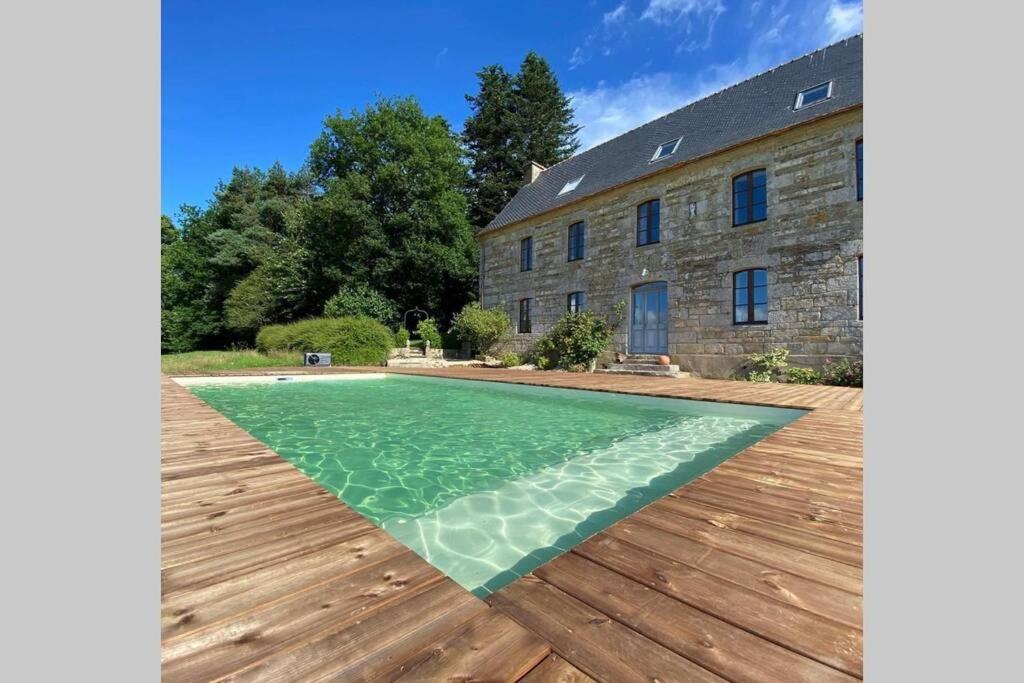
666	149
570	186
818	93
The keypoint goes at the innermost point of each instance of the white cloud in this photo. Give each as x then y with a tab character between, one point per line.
667	12
844	20
609	110
691	14
576	59
616	16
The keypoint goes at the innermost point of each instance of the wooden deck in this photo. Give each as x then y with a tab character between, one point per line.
749	573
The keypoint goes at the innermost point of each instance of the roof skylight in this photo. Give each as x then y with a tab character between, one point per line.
818	93
666	149
570	186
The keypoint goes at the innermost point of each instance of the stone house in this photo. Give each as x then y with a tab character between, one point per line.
730	226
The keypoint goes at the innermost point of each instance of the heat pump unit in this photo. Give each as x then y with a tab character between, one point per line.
318	359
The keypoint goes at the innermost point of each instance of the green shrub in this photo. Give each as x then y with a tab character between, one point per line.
427	330
401	337
272	338
511	360
350	341
843	373
481	328
803	376
361	301
577	339
767	366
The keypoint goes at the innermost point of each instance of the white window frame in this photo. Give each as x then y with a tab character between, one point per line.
657	150
571	185
800	95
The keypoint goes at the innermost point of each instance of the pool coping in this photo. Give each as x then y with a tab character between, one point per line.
835	411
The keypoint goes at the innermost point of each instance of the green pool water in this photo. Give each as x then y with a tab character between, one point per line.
488	481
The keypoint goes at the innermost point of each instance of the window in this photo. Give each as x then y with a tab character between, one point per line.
570	186
574	303
750	297
526	254
818	93
666	149
524	315
860	170
860	287
750	197
648	223
576	241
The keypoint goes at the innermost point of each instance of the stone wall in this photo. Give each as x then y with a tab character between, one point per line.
809	245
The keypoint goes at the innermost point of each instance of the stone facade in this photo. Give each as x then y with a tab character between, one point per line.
809	245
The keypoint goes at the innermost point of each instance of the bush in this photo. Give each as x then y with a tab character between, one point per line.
361	301
767	366
577	339
427	330
401	337
803	376
843	373
511	360
481	328
350	341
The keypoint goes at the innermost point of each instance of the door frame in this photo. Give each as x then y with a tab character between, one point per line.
655	284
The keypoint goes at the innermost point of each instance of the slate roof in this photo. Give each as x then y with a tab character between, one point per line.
750	109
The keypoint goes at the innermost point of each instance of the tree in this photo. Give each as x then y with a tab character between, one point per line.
514	120
168	233
362	301
245	238
489	136
391	212
543	114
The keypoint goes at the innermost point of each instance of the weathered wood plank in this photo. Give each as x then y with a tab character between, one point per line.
719	646
598	645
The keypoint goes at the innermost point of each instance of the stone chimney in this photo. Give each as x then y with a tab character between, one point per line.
533	170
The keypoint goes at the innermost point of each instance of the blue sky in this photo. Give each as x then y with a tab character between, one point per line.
249	82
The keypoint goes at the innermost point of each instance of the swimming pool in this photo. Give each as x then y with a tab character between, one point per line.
485	480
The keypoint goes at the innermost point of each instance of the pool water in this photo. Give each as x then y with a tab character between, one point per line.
487	481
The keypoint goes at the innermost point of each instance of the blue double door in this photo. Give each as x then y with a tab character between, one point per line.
648	332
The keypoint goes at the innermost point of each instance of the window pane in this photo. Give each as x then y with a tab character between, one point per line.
740	279
760	312
740	314
760	277
760	295
740	184
739	201
638	308
760	178
759	212
741	296
760	194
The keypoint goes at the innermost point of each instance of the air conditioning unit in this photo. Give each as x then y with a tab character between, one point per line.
318	359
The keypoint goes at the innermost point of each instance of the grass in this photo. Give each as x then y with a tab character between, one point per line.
203	361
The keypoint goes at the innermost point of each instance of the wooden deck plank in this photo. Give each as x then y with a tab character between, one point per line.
729	651
501	650
593	642
554	669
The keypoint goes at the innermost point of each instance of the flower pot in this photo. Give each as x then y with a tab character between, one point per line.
664	360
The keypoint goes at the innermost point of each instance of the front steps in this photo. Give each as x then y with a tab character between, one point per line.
645	366
414	358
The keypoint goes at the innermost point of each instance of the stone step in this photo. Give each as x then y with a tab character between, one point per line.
645	373
643	367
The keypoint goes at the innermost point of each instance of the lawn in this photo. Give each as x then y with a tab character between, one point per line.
203	361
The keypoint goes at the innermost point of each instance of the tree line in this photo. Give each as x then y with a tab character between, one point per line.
383	210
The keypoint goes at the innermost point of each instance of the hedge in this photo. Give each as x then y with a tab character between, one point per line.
350	341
